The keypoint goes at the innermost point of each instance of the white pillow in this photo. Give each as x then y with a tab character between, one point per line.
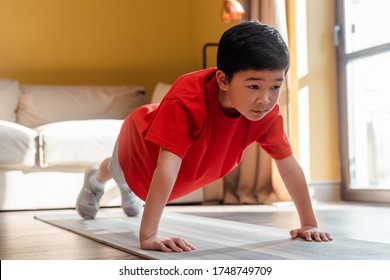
17	145
9	98
77	143
159	92
41	105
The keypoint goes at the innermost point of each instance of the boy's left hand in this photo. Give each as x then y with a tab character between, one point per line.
309	233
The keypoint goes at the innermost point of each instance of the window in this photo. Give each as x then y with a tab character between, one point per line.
362	37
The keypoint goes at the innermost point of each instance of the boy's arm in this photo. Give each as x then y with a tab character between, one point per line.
294	179
163	180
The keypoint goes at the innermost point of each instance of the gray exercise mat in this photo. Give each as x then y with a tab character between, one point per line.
215	239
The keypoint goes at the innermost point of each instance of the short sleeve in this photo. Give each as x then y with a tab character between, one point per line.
175	126
275	141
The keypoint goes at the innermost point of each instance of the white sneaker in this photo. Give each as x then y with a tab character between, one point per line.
88	200
131	204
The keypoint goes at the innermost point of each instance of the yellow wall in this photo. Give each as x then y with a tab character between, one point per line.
104	41
322	85
208	28
320	81
96	41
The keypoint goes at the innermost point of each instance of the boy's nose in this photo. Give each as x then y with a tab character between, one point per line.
263	98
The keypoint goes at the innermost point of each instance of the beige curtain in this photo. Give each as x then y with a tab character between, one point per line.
256	179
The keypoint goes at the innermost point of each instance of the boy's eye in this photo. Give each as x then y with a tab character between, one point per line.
276	87
254	87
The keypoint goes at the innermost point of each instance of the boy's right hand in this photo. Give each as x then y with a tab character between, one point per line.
166	244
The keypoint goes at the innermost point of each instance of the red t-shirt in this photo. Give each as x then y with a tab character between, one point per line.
190	123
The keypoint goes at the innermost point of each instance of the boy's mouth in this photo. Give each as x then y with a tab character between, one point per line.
260	112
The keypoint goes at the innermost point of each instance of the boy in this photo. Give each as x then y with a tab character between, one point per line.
198	134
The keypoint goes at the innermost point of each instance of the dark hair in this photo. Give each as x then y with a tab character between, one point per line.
251	45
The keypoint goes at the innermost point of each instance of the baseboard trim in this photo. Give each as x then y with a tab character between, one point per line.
326	191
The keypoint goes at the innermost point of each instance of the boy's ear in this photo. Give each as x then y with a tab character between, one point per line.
221	80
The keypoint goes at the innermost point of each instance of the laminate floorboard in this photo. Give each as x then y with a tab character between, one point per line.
24	238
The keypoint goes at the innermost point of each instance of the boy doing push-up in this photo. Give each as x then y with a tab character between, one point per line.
198	134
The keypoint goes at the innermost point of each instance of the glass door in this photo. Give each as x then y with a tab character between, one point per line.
362	38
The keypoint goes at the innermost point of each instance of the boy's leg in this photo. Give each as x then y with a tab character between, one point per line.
88	200
131	204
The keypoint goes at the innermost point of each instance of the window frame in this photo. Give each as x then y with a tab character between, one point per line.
347	192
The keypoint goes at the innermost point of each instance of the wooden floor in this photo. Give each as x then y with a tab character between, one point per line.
23	237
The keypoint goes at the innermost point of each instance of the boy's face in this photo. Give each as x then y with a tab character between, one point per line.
251	93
